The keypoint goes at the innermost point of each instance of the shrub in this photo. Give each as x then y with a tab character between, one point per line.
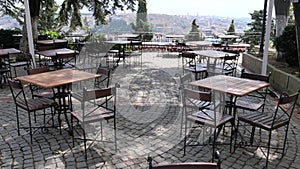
7	40
286	43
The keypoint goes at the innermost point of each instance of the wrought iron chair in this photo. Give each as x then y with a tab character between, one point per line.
254	101
271	121
98	105
30	105
190	64
203	118
230	64
64	60
26	63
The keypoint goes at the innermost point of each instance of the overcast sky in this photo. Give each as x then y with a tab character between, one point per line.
226	8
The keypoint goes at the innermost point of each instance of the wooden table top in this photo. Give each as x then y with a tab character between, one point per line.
212	53
231	85
57	78
9	50
50	42
52	52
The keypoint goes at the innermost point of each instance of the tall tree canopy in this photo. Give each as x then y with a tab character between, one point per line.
141	25
69	12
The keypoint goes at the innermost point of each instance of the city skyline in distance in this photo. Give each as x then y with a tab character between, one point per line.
223	8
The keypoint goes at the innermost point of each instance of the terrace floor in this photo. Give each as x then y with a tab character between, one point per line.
152	128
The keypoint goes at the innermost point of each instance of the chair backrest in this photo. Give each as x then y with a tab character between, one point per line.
63	58
38	70
188	58
197	95
254	76
104	80
286	104
230	64
17	92
94	94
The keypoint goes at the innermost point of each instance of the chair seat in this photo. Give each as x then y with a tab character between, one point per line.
207	118
196	69
93	116
263	120
249	103
36	104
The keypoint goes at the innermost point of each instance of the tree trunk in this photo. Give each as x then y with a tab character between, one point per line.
282	15
297	24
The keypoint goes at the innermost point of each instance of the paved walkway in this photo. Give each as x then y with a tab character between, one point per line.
148	123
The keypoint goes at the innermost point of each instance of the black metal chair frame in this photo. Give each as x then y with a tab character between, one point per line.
251	103
193	66
64	60
26	63
270	121
31	106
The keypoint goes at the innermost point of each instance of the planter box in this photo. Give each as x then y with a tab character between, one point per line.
280	81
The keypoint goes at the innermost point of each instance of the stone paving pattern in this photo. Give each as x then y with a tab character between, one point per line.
148	123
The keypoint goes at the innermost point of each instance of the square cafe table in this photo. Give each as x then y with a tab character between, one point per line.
212	54
52	53
9	51
234	86
61	80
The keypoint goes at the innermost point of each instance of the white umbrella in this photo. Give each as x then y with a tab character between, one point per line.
29	31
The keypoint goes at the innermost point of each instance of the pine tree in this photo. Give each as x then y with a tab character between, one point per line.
142	26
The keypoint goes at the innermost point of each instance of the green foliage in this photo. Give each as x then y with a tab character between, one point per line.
253	34
142	26
51	34
286	43
70	15
47	17
7	40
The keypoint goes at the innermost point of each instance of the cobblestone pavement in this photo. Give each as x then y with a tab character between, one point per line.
148	123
